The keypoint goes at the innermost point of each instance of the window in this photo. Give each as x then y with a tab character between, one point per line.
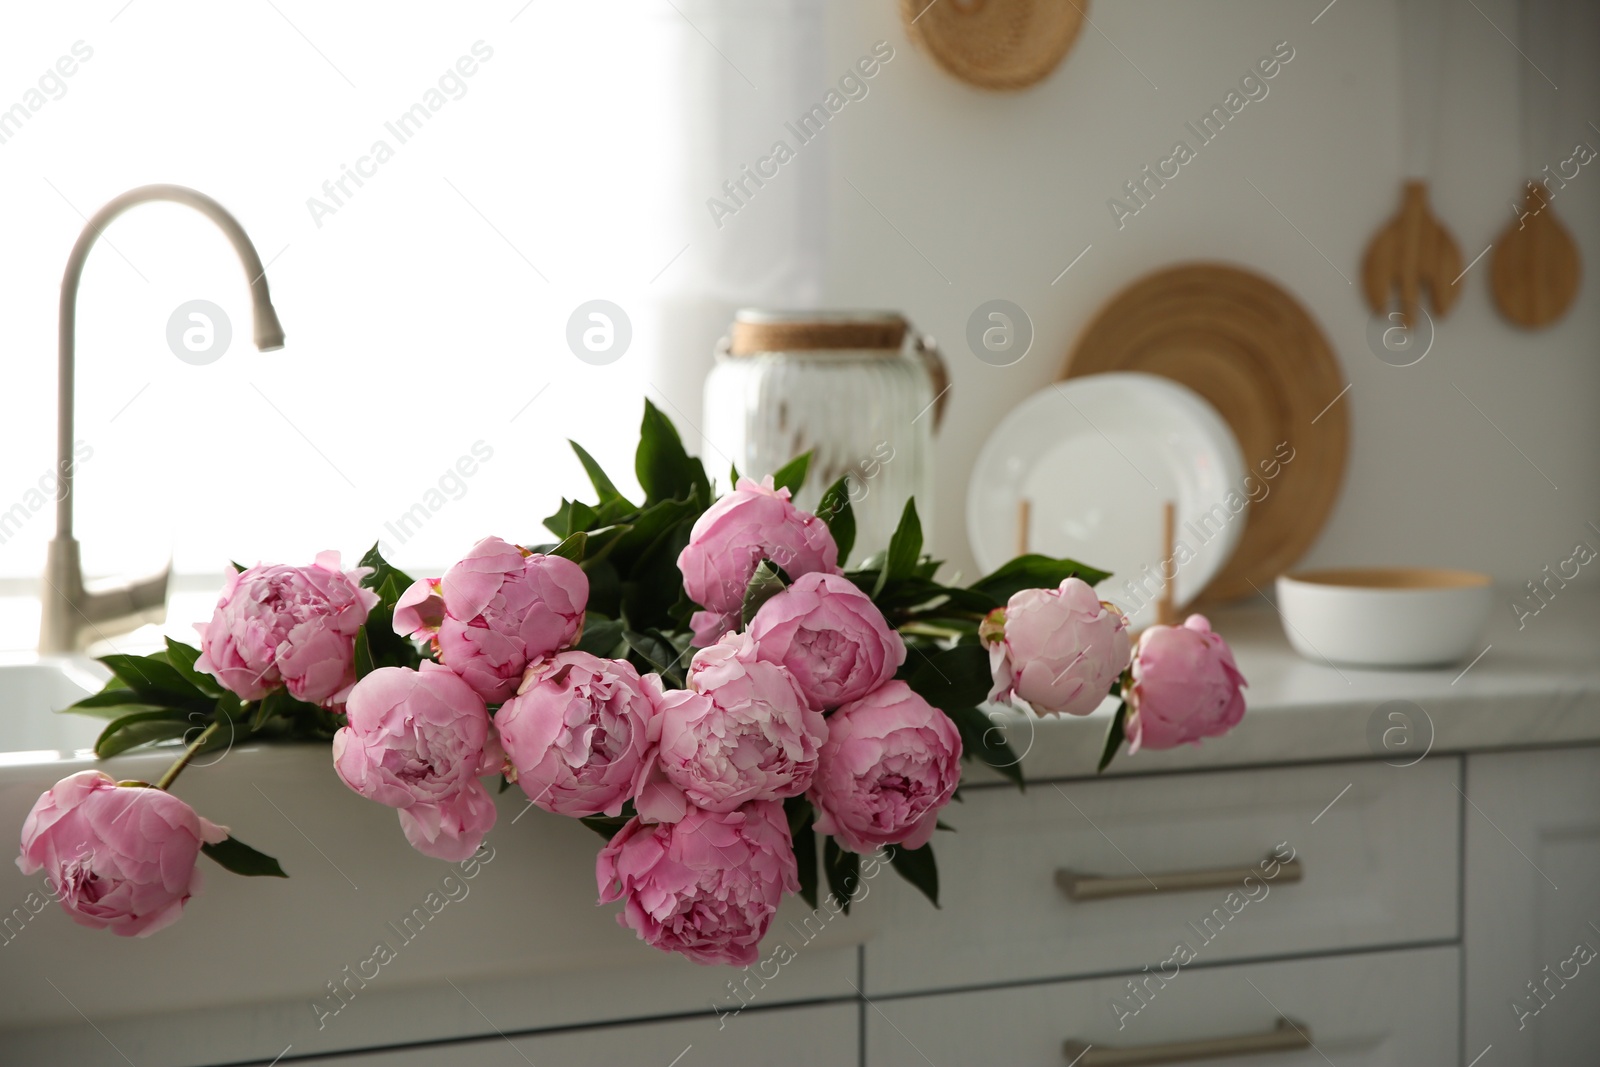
434	189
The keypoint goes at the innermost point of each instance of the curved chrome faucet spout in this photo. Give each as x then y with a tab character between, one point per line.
70	615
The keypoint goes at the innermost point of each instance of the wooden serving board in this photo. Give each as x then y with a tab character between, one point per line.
1258	357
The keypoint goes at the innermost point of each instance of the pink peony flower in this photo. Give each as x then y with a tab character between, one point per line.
742	731
706	886
287	626
710	626
495	612
1185	686
1056	651
452	827
576	733
831	636
417	741
733	536
120	857
891	761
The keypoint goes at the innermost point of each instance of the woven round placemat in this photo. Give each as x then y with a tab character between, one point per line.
1259	358
995	44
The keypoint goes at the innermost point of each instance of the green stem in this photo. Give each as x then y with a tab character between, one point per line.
188	754
907	615
927	629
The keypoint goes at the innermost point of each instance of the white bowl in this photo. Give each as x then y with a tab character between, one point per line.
1386	617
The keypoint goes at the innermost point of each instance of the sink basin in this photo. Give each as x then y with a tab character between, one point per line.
32	690
253	964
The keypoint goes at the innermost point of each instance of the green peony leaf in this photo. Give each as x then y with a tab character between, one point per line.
984	740
603	486
767	581
181	658
835	510
141	728
112	702
1115	734
792	475
664	469
158	682
363	654
240	858
951	678
800	813
600	637
605	825
843	870
653	649
917	867
1034	572
382	573
572	547
905	548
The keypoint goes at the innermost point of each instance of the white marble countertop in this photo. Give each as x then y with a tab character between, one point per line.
1539	685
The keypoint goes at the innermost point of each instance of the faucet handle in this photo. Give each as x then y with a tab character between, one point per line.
126	607
73	616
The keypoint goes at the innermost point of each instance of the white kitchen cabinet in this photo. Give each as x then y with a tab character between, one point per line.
1378	845
823	1035
241	977
1532	899
1386	1009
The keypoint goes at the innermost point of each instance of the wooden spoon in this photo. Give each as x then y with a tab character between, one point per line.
1409	251
1534	273
1535	270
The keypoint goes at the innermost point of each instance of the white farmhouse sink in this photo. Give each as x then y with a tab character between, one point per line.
239	977
32	689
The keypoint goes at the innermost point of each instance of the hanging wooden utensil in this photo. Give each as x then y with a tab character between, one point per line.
1535	270
1413	249
1534	273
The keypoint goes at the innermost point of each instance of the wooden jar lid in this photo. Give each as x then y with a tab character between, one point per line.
779	331
995	44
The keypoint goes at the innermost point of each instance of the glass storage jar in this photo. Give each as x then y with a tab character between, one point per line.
861	390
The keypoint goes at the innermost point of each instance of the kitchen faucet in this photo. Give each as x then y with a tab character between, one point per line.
71	615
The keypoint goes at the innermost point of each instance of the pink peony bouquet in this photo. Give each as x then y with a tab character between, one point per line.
701	681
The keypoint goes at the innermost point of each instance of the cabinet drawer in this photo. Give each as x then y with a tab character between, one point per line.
1378	850
1386	1009
826	1034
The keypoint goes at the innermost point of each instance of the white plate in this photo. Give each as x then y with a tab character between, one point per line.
1097	457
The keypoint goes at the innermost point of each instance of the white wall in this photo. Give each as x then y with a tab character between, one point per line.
1000	192
590	141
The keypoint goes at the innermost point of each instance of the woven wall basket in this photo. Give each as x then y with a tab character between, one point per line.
995	44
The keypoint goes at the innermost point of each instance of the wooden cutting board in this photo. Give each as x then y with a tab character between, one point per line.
1258	357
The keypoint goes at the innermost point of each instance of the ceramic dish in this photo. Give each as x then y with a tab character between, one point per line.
1392	617
1096	459
1255	354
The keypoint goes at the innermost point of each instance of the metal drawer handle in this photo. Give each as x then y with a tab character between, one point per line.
1286	1036
1081	886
